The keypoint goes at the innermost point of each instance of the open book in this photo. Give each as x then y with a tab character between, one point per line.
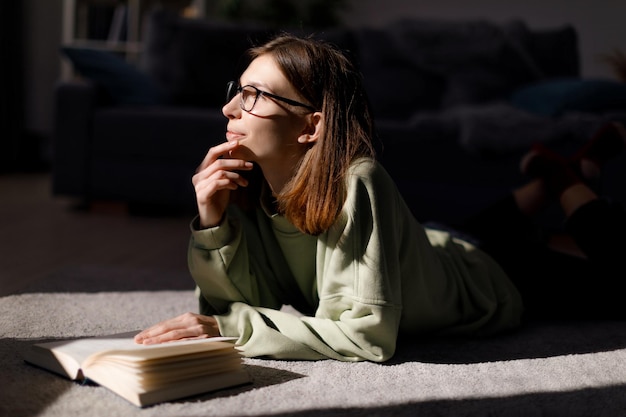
144	375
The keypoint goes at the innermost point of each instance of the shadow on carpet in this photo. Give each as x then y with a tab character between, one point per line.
97	278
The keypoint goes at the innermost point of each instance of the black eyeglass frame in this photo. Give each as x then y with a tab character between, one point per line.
233	88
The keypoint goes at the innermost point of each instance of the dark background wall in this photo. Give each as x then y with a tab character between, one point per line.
32	68
30	34
11	82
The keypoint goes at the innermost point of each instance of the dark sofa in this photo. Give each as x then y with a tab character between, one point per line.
456	104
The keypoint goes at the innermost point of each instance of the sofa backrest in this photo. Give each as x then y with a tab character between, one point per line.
478	60
409	65
192	60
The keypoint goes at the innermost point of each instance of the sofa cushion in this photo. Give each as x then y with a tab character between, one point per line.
396	88
121	81
481	61
192	59
554	50
557	96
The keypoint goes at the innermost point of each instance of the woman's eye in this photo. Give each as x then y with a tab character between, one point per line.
248	95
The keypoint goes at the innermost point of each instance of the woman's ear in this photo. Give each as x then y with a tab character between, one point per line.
313	128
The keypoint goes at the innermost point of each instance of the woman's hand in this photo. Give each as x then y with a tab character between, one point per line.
215	178
186	326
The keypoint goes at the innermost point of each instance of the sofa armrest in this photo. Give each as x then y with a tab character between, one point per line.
75	104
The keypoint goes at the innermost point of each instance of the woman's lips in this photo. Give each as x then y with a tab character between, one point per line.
230	135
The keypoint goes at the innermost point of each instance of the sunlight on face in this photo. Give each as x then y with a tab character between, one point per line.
269	134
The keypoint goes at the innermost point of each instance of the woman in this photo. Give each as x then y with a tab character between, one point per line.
323	229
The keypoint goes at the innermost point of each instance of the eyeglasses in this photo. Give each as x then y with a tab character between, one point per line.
250	95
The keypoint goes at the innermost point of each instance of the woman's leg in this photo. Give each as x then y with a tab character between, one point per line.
555	284
550	282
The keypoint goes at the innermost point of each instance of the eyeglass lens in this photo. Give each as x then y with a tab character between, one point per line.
249	95
231	91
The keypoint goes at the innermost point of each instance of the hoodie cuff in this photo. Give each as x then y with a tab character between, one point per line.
212	238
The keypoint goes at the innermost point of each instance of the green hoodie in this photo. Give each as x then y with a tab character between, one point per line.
375	273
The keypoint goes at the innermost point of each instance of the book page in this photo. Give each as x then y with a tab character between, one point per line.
165	352
66	356
70	353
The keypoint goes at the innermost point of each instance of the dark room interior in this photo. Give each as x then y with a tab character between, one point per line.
107	107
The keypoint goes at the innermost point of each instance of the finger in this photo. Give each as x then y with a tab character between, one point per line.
220	180
178	334
216	152
188	325
226	165
160	328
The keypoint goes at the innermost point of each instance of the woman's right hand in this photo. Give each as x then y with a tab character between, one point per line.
186	326
216	176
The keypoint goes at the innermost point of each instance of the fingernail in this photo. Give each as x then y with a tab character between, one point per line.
248	164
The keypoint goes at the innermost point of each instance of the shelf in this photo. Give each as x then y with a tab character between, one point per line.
113	25
117	47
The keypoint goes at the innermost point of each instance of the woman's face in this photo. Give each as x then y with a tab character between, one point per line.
269	133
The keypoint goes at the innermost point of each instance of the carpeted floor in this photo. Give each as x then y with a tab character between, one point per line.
552	369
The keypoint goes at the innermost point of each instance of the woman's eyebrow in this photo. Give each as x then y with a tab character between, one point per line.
257	84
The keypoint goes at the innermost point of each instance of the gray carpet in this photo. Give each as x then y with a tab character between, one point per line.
548	369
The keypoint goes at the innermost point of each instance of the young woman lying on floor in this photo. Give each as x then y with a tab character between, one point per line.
319	225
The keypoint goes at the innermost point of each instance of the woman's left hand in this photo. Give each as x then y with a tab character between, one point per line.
185	326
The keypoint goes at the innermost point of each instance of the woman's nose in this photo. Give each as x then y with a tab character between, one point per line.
232	109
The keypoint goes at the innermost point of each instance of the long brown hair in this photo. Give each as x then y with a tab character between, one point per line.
327	79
